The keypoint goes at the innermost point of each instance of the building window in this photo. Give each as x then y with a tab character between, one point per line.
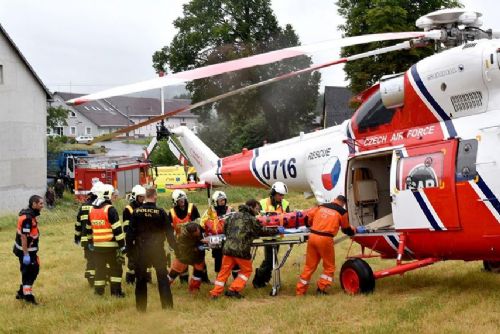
88	131
72	130
58	130
1	74
72	114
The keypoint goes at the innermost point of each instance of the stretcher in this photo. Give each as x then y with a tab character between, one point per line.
291	237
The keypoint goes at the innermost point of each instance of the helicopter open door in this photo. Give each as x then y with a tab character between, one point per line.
423	193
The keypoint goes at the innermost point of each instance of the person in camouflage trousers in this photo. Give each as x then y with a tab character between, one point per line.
241	228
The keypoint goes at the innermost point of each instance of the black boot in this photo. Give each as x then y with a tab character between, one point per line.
130	277
320	292
117	292
99	290
19	293
30	299
184	278
233	294
258	282
204	277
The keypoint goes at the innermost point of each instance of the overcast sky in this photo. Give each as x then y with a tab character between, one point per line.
97	44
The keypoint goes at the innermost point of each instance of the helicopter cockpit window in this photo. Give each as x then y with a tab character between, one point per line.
373	113
421	171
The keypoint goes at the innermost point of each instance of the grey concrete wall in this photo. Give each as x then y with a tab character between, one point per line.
23	148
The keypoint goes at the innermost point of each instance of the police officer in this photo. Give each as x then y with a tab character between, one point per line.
82	220
146	237
136	200
274	204
26	248
181	213
107	241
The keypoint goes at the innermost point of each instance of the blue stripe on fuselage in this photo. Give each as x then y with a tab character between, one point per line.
447	121
426	211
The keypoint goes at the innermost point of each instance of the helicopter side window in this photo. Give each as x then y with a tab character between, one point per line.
421	171
373	113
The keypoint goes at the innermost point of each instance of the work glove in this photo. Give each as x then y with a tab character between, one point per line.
26	259
281	230
361	229
77	240
90	246
202	247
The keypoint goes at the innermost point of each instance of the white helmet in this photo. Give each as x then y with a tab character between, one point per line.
95	187
217	196
177	195
137	190
105	192
279	188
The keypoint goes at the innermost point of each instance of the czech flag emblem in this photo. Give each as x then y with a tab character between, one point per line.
331	173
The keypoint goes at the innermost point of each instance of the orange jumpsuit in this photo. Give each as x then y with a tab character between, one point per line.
325	221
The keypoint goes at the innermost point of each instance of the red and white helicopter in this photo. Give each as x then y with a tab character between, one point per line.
418	160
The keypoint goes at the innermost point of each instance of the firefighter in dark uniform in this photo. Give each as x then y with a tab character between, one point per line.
181	213
148	229
82	220
26	248
274	204
107	240
136	199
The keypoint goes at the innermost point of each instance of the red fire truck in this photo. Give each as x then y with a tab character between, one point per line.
121	172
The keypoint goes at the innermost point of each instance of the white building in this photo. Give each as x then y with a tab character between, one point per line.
23	123
104	116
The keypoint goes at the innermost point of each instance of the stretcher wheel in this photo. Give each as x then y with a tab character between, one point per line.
356	276
492	266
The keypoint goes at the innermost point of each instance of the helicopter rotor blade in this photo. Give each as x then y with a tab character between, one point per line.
259	59
396	47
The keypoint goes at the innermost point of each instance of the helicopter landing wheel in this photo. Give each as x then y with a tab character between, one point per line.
356	277
492	266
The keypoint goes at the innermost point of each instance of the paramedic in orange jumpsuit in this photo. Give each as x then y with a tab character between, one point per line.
325	220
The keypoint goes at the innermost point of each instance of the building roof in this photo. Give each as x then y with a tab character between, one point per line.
98	112
16	49
116	111
336	107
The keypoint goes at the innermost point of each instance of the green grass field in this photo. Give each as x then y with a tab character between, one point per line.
451	297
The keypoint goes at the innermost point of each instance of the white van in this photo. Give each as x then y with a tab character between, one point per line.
84	139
